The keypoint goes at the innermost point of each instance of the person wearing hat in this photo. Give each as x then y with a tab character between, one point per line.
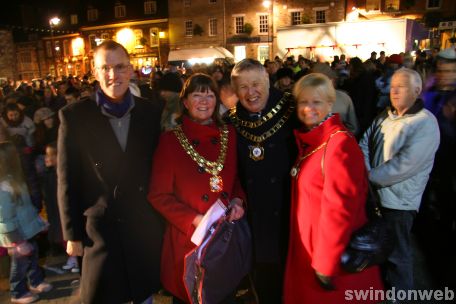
284	81
170	86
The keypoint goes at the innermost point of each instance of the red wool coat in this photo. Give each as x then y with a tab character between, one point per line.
180	191
325	211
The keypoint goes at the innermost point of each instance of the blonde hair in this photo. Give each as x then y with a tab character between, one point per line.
320	82
11	168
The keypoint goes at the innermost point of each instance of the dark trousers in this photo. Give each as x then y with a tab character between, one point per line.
398	270
268	281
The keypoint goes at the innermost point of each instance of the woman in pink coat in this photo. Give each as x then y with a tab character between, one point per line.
329	188
183	187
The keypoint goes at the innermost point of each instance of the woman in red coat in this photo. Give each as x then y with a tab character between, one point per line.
329	188
194	165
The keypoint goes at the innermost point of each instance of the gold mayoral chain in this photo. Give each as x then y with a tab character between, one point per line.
257	150
213	168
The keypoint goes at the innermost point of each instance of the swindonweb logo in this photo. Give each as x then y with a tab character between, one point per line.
372	294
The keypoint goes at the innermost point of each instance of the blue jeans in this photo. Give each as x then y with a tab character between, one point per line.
399	267
25	269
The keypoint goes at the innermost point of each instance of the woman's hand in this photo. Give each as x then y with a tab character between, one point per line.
326	282
197	220
237	210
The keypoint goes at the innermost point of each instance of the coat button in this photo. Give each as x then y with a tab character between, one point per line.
98	164
195	142
140	189
205	197
273	180
200	169
214	141
224	195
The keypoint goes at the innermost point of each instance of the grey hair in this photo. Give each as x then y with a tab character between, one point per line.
248	64
413	76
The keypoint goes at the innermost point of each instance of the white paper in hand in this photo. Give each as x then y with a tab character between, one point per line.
213	214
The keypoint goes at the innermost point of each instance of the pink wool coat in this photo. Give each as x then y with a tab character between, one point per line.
325	211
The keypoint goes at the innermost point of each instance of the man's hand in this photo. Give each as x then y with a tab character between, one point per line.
74	248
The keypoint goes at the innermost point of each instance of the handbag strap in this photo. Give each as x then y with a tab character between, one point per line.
375	206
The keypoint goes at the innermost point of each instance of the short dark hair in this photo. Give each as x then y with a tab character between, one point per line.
110	45
73	92
200	82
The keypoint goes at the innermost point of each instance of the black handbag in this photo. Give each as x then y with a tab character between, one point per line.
372	243
215	268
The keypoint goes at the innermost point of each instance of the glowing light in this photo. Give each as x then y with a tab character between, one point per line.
54	21
267	3
77	45
126	37
161	34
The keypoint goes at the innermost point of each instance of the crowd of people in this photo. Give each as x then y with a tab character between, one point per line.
127	169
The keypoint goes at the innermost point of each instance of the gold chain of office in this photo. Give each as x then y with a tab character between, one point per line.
260	138
212	167
263	119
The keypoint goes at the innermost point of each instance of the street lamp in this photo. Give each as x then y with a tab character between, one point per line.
52	23
269	4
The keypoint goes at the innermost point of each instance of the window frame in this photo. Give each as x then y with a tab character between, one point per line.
120	11
150	7
188	30
212	27
239	29
263	26
318	18
92	14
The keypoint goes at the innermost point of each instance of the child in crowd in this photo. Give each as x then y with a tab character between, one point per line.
19	224
49	184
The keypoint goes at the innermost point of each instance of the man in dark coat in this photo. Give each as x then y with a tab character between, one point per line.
105	149
264	119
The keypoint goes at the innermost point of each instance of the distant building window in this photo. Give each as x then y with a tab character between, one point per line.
154	32
320	16
187	3
263	53
25	57
373	5
212	27
92	14
92	41
296	18
264	24
66	48
104	36
212	1
392	5
58	50
138	36
189	28
120	11
150	7
433	4
239	24
49	48
74	19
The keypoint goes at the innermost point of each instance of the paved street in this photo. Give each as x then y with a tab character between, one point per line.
435	265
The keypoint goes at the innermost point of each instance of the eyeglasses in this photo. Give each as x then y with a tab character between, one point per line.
118	68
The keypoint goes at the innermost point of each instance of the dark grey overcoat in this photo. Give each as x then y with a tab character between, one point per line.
102	200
